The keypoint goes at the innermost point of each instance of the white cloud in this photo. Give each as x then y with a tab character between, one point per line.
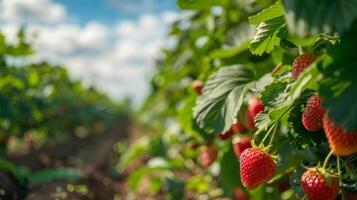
118	59
32	10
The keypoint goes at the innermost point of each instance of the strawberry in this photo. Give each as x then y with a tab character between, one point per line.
313	114
301	63
249	121
208	155
341	141
239	194
197	86
256	167
241	144
226	135
318	187
255	107
236	126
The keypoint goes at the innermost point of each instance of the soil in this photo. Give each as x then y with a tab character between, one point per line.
92	155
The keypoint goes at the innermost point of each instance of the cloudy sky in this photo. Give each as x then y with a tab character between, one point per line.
111	43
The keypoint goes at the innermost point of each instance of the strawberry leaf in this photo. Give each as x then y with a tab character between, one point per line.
275	10
229	163
222	98
339	85
274	97
308	17
268	36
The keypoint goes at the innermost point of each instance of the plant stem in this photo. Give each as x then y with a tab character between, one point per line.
268	133
327	159
300	50
272	137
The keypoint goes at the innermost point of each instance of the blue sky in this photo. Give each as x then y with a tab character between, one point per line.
109	11
110	43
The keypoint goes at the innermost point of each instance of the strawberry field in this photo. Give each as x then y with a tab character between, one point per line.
254	100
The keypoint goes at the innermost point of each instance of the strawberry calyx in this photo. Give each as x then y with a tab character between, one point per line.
266	149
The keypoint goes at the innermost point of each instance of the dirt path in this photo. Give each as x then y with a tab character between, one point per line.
90	155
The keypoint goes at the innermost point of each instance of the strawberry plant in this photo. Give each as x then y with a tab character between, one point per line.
285	70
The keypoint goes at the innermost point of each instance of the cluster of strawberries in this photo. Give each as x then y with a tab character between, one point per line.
257	166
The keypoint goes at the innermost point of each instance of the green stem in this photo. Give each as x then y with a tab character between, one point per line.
326	160
272	137
300	50
268	133
274	126
339	176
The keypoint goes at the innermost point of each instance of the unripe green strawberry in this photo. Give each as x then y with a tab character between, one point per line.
208	155
256	167
241	144
301	63
313	114
318	187
197	86
341	141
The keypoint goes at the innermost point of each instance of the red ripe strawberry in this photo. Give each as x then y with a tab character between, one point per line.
249	121
341	141
197	85
255	107
226	135
241	144
208	155
239	194
301	63
236	126
256	167
313	114
318	187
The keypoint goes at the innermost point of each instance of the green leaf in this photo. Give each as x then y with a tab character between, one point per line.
339	85
298	136
174	188
268	36
274	95
185	116
238	40
222	98
309	17
134	152
198	183
135	177
200	4
229	176
275	98
275	10
51	174
295	180
229	52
